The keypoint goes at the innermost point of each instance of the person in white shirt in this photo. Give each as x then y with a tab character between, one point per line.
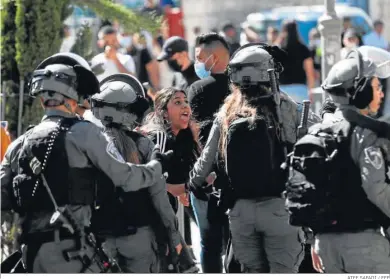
376	38
111	61
350	41
68	41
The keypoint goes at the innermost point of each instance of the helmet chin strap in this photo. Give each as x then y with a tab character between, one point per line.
69	108
371	113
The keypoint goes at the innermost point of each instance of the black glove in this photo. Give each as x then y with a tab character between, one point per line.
328	107
163	158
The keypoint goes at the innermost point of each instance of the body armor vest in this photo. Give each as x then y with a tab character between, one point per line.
354	211
68	185
120	213
253	159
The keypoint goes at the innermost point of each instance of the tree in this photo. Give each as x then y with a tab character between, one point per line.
38	29
130	20
9	68
83	44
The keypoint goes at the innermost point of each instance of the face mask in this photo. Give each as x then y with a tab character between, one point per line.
200	69
173	65
126	41
351	45
315	43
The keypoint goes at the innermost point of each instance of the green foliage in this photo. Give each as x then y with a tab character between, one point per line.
131	21
83	44
38	29
9	69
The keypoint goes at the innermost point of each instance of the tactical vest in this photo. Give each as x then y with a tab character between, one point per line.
119	213
333	200
354	211
253	158
69	186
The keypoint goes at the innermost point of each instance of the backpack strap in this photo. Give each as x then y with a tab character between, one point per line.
381	128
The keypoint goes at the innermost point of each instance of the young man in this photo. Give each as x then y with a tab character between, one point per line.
111	61
206	96
175	52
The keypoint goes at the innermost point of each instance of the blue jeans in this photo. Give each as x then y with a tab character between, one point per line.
212	235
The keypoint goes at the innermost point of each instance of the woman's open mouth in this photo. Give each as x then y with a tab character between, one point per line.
185	116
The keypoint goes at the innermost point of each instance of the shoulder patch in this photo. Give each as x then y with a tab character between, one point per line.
373	156
114	153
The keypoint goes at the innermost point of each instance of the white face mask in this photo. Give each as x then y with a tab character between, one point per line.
200	68
126	41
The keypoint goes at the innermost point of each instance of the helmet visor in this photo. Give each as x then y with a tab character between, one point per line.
379	57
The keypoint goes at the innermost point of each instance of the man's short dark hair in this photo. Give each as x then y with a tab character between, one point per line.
209	38
106	30
227	26
378	22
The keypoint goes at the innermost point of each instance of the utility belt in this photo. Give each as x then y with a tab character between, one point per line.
259	197
130	230
343	228
370	230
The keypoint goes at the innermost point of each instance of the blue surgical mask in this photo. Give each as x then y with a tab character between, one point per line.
126	41
200	69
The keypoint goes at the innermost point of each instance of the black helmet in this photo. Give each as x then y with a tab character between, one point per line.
67	74
121	101
249	65
349	77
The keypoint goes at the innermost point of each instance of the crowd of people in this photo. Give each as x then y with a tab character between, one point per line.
116	152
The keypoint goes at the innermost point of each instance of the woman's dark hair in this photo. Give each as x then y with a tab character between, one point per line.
156	120
290	35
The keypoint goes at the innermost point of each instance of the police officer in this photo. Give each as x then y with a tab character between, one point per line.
52	167
253	61
355	243
126	220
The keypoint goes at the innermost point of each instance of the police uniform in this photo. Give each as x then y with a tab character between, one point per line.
355	242
127	221
70	153
282	251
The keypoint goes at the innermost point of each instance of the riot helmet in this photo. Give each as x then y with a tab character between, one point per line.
121	101
349	78
63	75
67	58
253	64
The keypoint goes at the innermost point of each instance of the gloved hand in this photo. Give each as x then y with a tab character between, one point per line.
328	107
163	158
